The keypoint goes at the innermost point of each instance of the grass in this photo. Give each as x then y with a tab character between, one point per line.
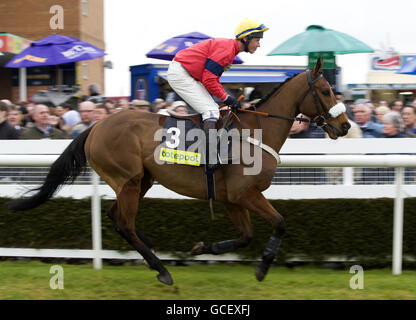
30	281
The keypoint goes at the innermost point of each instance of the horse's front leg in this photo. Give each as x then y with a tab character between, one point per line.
254	201
241	219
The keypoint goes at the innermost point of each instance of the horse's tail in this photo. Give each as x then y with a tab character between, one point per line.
70	164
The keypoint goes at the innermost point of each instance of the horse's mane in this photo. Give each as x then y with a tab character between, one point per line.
273	91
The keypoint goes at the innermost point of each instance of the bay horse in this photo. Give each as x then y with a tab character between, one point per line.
121	149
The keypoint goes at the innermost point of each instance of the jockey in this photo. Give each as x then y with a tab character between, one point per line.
195	72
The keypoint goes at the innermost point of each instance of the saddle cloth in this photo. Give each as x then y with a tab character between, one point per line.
183	142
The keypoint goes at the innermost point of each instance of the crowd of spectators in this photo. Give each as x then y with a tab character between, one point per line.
26	120
368	119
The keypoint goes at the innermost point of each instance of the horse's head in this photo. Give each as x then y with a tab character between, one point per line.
320	105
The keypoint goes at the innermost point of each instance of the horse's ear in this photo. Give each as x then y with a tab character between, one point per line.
318	66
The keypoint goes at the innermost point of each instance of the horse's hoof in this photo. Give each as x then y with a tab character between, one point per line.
261	271
165	278
197	249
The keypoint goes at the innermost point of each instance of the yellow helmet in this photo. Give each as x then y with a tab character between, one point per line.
250	27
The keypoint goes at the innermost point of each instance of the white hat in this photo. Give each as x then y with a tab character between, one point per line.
177	104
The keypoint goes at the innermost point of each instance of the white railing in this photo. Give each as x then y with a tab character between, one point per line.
346	153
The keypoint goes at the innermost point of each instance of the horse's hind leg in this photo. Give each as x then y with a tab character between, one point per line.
141	236
241	219
124	218
254	201
145	184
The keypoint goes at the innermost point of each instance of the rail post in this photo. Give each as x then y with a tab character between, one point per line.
398	223
96	221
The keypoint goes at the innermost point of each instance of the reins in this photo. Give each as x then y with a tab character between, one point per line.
320	119
268	115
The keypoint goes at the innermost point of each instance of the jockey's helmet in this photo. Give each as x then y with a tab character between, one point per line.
251	28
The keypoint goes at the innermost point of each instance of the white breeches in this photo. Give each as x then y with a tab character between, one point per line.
192	91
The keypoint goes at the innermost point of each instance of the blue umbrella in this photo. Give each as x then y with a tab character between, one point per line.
409	67
53	50
168	49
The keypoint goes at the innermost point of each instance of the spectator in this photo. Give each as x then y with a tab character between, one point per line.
53	119
15	118
393	126
42	128
380	112
339	96
373	110
27	113
302	130
95	95
141	105
6	129
396	105
362	116
158	104
100	112
383	103
123	104
86	109
179	107
70	117
409	120
351	105
59	111
110	105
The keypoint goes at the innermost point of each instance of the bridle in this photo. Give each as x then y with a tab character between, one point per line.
320	118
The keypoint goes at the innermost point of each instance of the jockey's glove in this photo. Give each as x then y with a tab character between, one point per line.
233	103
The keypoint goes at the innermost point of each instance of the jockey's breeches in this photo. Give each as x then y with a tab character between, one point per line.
192	91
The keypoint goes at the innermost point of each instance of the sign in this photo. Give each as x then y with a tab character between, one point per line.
370	86
77	51
390	63
13	44
329	59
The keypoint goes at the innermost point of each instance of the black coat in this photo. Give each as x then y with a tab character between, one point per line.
7	131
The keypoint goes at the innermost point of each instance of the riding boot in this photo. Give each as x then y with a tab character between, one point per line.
211	144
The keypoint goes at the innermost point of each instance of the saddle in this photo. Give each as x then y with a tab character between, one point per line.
194	117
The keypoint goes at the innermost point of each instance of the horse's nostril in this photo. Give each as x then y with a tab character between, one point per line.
346	126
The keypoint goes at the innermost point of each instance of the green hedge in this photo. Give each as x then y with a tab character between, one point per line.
315	228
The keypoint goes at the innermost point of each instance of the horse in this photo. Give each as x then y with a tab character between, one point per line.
121	150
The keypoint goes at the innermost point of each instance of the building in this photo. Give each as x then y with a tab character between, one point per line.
383	82
149	81
34	20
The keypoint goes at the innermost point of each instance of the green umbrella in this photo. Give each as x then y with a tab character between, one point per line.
319	39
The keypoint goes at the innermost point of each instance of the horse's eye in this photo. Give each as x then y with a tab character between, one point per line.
325	92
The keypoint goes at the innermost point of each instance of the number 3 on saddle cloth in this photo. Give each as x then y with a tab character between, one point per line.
183	141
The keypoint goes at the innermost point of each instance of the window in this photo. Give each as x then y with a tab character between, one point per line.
84	7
